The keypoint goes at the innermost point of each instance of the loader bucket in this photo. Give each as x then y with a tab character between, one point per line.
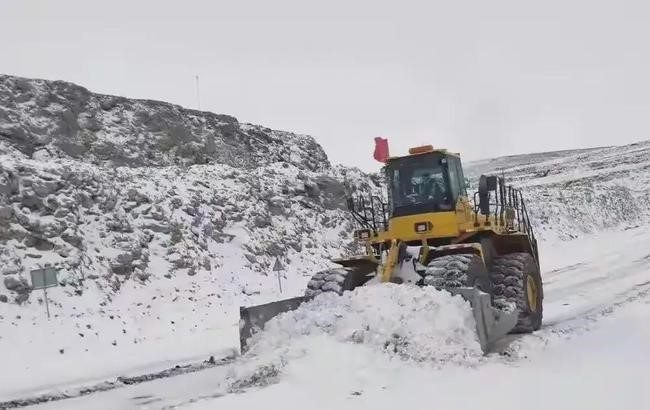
491	324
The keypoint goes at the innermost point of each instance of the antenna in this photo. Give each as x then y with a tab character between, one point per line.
198	96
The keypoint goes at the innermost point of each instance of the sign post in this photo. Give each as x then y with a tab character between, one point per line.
277	267
43	279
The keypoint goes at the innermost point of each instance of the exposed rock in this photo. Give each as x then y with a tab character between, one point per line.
191	211
122	264
72	238
44	188
10	270
156	227
176	202
261	221
278	206
141	275
312	189
333	192
6	212
16	284
38	243
222	237
21	298
31	200
275	249
8	182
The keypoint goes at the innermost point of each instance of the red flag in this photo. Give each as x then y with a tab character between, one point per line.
381	149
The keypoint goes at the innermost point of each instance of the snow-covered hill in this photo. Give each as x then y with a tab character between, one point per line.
570	193
63	118
161	220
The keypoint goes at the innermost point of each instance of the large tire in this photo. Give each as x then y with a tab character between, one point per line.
516	279
336	280
454	271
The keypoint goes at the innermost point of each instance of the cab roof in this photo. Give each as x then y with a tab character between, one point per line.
423	150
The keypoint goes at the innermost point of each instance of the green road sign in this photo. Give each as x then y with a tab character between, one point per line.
44	278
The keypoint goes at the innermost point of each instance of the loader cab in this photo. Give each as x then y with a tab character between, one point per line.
426	181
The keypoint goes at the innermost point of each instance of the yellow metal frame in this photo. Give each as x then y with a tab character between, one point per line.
391	261
457	223
531	293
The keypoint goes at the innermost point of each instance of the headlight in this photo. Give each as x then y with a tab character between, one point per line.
422	227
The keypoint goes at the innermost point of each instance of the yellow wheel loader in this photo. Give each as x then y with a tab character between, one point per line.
429	232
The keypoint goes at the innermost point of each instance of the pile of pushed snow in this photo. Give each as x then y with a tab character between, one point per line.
409	322
373	327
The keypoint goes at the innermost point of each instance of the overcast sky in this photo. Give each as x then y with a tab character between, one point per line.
485	78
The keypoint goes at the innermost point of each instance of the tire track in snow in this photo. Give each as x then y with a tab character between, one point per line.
519	346
121	381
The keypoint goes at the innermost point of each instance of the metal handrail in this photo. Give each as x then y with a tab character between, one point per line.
369	212
508	197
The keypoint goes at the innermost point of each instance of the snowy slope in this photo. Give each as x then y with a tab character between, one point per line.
152	243
570	193
140	283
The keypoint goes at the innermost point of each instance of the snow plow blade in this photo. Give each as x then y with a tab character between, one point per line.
491	324
252	319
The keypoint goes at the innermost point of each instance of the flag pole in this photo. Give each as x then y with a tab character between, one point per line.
198	95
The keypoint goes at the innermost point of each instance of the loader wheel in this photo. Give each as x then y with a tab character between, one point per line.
516	279
453	271
336	280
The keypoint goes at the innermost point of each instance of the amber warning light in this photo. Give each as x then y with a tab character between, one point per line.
421	150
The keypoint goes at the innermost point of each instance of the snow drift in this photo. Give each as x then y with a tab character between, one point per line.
402	322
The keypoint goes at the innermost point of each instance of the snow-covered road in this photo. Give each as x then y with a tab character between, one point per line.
592	352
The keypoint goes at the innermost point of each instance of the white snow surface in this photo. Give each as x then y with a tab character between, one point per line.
403	321
592	352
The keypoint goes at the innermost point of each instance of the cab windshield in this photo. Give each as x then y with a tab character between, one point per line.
419	184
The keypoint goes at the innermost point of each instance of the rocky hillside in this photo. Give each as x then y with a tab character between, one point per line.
113	191
63	119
